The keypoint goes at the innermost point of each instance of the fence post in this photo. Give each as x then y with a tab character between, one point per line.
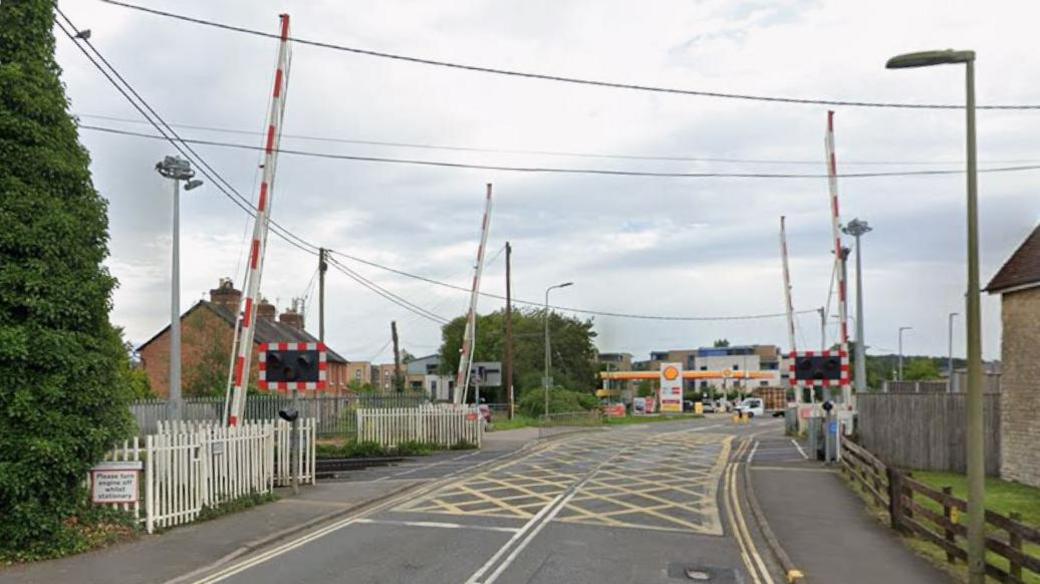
948	531
895	498
1015	540
149	490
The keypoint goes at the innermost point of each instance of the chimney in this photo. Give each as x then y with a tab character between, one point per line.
226	296
292	318
266	310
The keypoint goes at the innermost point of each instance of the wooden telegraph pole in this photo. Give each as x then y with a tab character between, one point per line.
398	380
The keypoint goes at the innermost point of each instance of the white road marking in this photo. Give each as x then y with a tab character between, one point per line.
799	447
753	451
437	524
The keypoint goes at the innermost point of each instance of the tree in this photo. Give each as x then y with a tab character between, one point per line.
574	354
920	368
61	401
720	343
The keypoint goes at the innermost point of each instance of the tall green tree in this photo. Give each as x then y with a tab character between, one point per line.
62	403
573	351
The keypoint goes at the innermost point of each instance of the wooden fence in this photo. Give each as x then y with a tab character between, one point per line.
333	415
933	515
192	465
443	426
925	431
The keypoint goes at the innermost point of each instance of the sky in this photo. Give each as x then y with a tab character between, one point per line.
644	245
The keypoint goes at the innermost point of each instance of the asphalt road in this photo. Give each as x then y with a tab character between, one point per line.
642	504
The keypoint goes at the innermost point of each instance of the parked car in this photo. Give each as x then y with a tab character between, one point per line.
752	407
709	407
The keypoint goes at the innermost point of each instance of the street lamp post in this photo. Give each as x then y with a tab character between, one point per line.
548	354
856	228
176	169
901	329
949	360
975	429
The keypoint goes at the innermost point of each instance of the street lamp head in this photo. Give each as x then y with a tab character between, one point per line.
929	58
565	284
191	184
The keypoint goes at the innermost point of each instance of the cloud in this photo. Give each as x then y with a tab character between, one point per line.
656	246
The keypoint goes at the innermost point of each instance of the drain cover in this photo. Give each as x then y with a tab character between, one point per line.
702	573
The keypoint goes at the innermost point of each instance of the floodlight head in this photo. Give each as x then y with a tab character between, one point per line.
84	34
929	58
857	227
191	184
175	168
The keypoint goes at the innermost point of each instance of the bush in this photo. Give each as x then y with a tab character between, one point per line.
62	404
532	403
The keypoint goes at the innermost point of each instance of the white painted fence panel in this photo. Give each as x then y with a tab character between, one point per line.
189	465
443	426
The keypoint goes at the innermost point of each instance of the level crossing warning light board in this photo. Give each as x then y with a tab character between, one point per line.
820	368
293	366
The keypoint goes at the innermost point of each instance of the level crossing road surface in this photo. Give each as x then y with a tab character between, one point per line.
642	504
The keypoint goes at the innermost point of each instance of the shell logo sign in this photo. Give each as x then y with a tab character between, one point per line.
671	387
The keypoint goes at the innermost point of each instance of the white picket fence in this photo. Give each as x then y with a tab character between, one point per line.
191	465
443	426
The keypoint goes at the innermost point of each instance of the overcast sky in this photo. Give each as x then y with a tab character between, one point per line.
665	246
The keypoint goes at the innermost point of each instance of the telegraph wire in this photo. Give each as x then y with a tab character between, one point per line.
168	134
557	153
566	79
562	170
307	247
392	297
562	308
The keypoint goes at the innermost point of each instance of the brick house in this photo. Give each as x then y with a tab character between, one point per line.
207	330
1018	283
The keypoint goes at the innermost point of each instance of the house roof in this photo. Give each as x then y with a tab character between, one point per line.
1022	268
267	331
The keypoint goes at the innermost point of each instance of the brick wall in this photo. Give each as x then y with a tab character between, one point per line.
1020	385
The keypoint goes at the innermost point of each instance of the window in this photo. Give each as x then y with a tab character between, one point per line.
736	367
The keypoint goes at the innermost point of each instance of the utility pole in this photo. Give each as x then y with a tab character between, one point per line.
323	266
950	386
858	228
398	381
509	336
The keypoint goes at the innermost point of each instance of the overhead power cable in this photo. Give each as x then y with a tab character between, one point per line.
167	133
557	153
392	297
560	170
566	79
561	308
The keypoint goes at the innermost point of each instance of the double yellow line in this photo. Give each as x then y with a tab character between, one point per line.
741	532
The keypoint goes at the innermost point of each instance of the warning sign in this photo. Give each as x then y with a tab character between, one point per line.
114	482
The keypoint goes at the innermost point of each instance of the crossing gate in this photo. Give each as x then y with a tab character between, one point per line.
441	425
192	465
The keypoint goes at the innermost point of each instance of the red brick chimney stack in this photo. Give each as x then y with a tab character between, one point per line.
266	310
292	318
225	295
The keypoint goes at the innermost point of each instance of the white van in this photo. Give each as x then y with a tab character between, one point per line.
752	407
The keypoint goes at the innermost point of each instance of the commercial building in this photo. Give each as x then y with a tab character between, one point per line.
736	359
